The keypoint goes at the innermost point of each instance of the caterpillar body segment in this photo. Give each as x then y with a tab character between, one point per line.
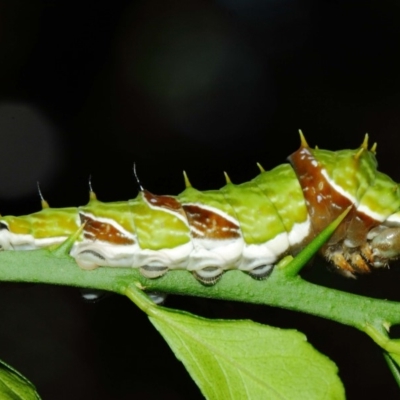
249	226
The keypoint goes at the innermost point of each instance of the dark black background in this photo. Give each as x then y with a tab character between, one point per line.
88	88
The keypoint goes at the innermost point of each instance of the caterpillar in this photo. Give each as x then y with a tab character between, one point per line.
249	226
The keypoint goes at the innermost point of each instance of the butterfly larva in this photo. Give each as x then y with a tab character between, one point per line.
249	227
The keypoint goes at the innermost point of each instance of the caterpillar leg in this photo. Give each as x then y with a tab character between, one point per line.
339	261
358	262
89	259
153	271
385	246
211	275
208	275
90	255
261	272
348	261
382	246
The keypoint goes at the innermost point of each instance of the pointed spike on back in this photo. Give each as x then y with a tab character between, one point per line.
373	148
228	180
260	167
303	141
359	152
92	194
43	202
137	178
186	179
364	144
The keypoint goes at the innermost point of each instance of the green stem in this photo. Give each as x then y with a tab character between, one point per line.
280	289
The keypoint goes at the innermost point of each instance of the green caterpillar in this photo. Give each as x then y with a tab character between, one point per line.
249	227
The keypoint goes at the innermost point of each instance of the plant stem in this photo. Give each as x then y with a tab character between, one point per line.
280	289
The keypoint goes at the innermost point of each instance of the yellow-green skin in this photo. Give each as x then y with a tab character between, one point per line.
247	226
373	192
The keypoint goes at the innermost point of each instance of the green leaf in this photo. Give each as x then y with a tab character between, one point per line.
14	386
246	360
